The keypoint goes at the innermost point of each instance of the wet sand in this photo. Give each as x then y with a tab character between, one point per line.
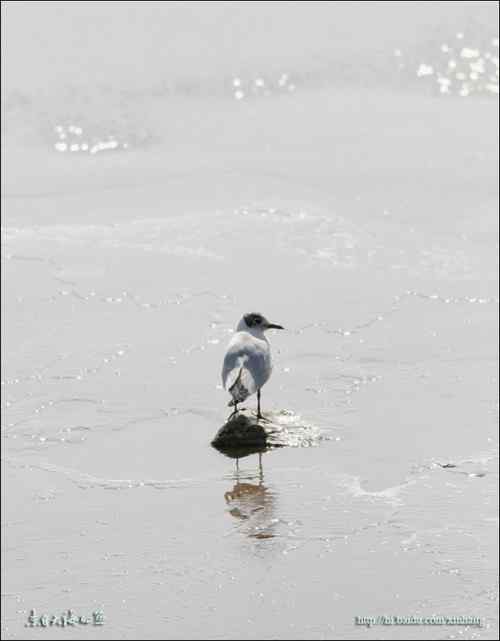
365	221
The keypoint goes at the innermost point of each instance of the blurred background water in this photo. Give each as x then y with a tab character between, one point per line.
118	65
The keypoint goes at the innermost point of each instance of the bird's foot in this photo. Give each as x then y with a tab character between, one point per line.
236	411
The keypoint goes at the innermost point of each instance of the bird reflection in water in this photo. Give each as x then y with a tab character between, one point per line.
251	503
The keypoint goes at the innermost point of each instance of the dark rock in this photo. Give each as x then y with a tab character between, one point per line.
245	430
244	434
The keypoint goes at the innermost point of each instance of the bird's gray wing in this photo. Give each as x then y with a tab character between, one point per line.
241	372
236	377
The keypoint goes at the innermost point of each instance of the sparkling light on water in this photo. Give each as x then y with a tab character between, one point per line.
459	68
261	86
74	139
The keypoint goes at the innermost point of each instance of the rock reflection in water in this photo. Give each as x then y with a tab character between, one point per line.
237	451
253	505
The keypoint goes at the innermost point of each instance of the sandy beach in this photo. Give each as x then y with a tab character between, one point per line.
364	218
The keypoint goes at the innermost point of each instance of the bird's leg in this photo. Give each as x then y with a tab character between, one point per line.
261	471
260	416
235	411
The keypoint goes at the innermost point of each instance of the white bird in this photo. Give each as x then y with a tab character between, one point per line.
247	363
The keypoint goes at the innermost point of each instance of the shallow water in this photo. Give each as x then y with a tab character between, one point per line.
362	215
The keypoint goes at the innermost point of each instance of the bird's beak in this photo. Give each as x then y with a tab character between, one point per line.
273	326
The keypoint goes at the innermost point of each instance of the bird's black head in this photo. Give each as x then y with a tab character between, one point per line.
254	320
257	322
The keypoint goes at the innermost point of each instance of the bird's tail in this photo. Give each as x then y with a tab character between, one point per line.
237	390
